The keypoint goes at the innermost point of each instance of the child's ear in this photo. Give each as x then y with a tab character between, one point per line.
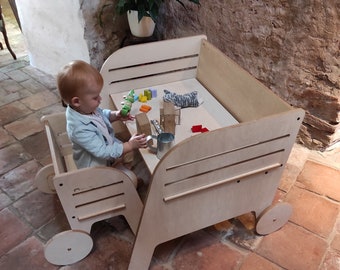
75	102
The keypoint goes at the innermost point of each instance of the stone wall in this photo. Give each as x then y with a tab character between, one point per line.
104	30
291	46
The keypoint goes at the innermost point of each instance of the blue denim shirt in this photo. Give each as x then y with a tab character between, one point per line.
90	147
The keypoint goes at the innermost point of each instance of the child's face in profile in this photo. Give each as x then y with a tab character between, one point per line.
90	99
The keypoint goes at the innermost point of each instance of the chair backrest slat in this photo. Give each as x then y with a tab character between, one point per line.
59	143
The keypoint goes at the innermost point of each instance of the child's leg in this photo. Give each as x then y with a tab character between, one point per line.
128	172
128	159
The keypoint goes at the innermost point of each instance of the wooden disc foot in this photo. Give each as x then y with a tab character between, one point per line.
44	179
273	218
68	247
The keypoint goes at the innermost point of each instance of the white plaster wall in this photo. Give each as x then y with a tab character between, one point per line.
54	33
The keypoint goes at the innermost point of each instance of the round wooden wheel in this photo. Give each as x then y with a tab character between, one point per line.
273	218
68	247
44	179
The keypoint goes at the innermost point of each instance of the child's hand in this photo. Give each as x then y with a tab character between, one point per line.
138	141
116	115
126	118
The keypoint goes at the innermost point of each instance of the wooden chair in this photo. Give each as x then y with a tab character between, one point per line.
4	33
87	195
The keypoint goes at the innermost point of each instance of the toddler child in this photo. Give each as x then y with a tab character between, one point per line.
88	126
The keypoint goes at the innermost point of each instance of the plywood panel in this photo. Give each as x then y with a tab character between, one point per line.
150	64
245	97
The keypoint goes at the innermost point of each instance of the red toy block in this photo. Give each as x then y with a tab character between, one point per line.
196	128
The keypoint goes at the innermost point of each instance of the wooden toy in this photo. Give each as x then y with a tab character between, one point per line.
168	117
148	94
127	103
153	92
145	108
198	128
143	124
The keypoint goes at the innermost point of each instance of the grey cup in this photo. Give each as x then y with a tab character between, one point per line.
164	142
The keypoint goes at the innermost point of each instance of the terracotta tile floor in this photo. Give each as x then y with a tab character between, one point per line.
29	218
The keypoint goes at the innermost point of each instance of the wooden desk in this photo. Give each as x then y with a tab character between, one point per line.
210	114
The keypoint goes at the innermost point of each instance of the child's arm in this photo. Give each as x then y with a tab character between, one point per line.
88	139
116	115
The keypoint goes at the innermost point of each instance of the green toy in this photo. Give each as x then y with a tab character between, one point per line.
127	103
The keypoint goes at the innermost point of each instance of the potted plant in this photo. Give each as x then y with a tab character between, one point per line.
142	14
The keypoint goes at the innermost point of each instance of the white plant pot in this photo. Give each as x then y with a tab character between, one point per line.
144	28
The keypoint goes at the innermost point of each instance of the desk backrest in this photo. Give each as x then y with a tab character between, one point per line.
59	143
237	90
148	64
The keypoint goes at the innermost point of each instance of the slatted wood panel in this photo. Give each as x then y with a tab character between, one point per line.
215	176
57	158
93	194
150	64
62	157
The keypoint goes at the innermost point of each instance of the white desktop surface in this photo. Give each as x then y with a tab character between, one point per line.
210	114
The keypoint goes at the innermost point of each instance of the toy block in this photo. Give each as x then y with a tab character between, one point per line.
148	94
178	116
199	128
153	92
196	128
143	124
142	98
168	117
145	108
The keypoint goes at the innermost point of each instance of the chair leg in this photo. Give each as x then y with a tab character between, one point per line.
4	33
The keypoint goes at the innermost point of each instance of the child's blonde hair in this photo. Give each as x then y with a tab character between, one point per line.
73	79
